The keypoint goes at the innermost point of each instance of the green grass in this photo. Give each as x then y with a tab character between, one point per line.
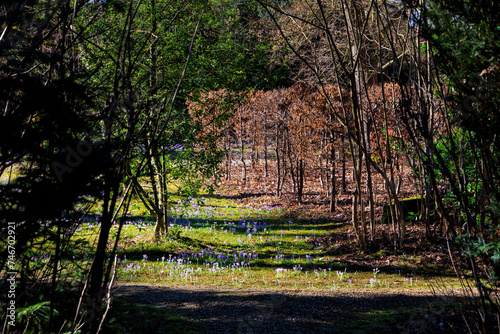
216	241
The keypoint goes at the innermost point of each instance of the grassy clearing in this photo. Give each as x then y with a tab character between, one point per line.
221	242
215	241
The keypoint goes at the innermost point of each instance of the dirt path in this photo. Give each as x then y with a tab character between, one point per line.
214	310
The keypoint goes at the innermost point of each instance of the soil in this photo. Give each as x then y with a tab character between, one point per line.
222	310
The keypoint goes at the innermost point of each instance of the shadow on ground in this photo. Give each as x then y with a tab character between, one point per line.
201	310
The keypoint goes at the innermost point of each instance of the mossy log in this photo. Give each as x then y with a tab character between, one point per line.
411	207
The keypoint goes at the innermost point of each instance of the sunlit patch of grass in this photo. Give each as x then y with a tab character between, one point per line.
284	255
245	270
10	174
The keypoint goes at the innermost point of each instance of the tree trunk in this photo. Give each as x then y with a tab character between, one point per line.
369	188
161	226
162	197
278	165
227	144
97	285
292	170
265	154
332	177
344	183
255	150
300	185
242	147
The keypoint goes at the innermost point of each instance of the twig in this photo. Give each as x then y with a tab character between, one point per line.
108	296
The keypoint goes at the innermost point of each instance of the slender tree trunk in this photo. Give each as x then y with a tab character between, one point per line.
229	157
265	154
278	165
55	270
97	286
344	183
361	200
300	185
293	175
369	188
242	148
159	184
320	162
255	151
332	175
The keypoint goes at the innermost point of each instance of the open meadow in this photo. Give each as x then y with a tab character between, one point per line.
228	265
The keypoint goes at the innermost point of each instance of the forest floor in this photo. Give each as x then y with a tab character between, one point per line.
246	261
173	309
